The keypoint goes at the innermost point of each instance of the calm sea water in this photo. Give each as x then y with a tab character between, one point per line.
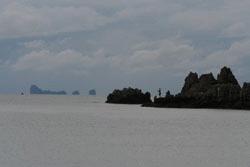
67	131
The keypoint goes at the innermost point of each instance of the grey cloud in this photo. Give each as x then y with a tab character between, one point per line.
19	20
28	18
236	56
130	40
47	61
228	19
68	61
169	54
36	44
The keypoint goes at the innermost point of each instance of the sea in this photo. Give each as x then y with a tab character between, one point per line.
77	131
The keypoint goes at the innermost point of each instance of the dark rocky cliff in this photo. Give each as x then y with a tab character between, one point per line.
207	92
245	95
198	92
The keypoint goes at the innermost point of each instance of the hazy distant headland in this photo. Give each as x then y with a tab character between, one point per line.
36	90
202	91
92	92
76	93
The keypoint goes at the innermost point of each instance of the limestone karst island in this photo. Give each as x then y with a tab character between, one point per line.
202	91
36	90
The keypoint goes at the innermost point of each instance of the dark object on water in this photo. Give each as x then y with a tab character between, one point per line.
129	96
76	93
92	92
198	92
207	92
36	90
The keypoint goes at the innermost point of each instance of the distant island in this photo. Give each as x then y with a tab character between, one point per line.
76	93
202	91
92	92
36	90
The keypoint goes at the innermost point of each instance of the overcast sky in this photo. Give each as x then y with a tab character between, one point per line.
106	44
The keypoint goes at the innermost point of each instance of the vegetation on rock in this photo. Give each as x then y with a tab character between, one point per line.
129	96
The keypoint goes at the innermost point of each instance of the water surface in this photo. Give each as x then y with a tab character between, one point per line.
76	131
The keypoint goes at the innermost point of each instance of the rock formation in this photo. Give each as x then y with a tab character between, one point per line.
207	92
226	76
228	88
36	90
245	94
200	86
92	92
129	96
190	80
76	93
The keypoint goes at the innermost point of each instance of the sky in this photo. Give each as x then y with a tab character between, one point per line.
110	44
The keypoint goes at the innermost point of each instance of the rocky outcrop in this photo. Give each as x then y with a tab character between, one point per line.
190	80
76	93
245	94
92	92
202	86
36	90
207	79
228	88
129	96
207	92
226	77
228	92
225	88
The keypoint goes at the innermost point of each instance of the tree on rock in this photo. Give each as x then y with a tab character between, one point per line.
129	96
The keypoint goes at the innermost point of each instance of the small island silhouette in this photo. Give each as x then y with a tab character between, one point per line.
198	92
76	93
36	90
92	92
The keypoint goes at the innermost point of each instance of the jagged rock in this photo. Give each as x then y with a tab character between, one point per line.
246	91
206	85
207	92
190	80
245	94
207	79
199	87
129	96
76	93
92	92
228	92
226	76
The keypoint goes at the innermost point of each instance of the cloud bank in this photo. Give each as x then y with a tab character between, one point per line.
121	39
